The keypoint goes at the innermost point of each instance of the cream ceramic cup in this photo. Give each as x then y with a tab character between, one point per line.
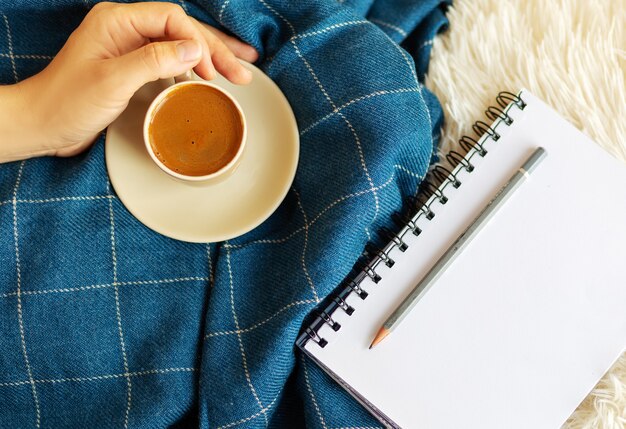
216	176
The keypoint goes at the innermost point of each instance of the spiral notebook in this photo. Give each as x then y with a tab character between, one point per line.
525	321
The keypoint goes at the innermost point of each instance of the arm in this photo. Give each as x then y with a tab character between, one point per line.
115	51
19	131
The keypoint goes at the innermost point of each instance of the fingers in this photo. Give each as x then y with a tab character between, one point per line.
157	60
240	49
128	26
224	59
227	64
150	19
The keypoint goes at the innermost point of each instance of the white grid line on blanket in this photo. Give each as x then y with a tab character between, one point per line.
418	86
275	12
106	285
20	317
12	58
308	386
210	263
391	26
350	127
270	58
129	386
407	171
327	29
101	377
221	14
65	199
325	210
426	43
365	169
313	74
262	322
58	199
28	56
334	107
241	348
304	247
253	416
356	100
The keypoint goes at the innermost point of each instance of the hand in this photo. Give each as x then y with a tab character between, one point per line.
116	50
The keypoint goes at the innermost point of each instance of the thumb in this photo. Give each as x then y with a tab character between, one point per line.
158	60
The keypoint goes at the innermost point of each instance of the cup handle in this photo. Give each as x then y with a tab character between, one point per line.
188	75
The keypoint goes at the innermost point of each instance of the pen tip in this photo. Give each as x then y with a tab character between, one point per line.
382	333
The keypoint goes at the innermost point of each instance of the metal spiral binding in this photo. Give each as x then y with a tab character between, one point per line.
371	273
431	190
358	289
422	203
312	334
468	143
389	235
375	251
455	158
442	173
481	128
330	321
493	113
344	305
505	98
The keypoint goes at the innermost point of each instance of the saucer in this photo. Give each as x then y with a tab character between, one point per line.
202	213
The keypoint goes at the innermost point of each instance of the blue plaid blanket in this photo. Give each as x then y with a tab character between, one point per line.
104	323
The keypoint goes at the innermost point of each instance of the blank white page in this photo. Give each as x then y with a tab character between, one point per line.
530	315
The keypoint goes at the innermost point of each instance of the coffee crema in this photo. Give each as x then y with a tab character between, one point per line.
195	130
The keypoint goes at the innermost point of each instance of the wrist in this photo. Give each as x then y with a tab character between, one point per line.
21	133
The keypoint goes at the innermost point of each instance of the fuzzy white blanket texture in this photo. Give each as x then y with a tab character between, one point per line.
570	53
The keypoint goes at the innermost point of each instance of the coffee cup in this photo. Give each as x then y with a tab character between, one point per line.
195	131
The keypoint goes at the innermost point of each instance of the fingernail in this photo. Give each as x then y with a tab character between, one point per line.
189	50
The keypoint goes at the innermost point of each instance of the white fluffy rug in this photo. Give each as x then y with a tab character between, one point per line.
572	54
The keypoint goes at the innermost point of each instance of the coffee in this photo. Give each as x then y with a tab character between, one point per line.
195	130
